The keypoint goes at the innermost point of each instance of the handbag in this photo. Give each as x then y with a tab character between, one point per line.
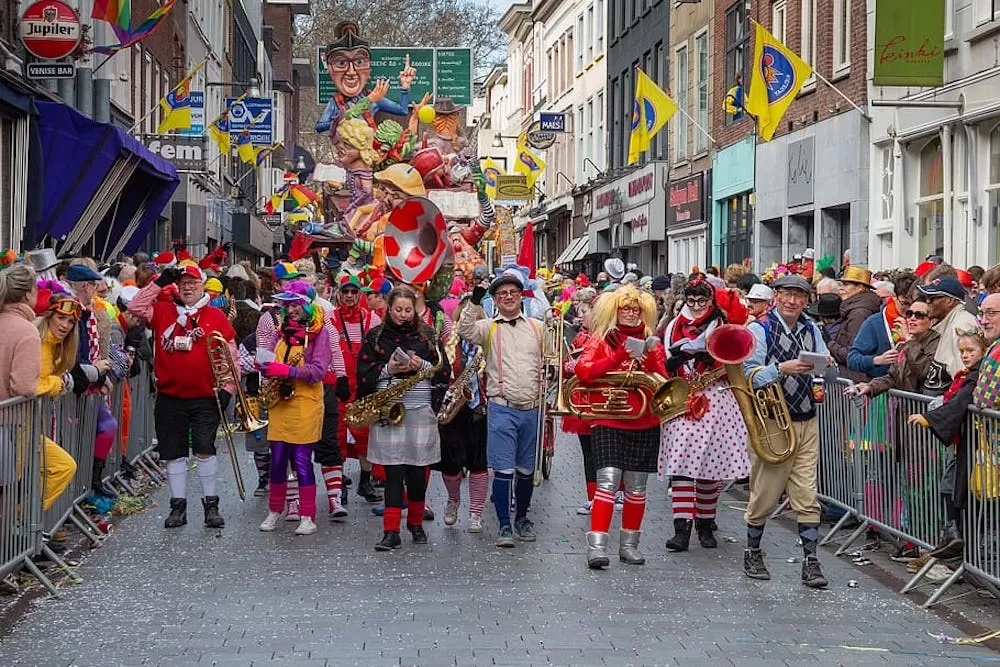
984	478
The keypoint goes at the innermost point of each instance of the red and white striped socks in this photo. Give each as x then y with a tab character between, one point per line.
478	484
707	494
333	478
682	498
453	484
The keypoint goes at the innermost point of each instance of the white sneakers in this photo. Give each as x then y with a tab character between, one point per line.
475	523
292	511
451	512
271	522
306	527
585	508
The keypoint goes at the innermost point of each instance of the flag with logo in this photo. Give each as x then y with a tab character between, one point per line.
218	129
491	174
273	204
530	164
245	149
264	151
651	110
176	105
776	76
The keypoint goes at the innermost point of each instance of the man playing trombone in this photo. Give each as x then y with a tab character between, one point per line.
185	399
512	344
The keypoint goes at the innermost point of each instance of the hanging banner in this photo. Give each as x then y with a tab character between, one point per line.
909	45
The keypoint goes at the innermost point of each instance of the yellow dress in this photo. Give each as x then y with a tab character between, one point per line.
299	420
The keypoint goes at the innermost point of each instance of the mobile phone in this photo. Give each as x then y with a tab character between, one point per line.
401	356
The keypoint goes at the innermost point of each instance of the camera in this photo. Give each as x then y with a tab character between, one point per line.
183	343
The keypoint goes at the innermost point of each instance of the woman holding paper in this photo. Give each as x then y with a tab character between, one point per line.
623	450
708	445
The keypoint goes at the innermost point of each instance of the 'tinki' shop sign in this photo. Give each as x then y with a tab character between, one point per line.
684	200
50	29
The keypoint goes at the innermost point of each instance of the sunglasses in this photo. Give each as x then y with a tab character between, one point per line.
67	307
916	315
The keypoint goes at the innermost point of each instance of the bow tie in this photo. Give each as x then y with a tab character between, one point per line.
510	322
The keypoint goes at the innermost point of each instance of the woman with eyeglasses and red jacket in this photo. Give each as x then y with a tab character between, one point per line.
707	445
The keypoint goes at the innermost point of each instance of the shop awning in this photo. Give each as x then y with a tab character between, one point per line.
100	183
582	251
570	251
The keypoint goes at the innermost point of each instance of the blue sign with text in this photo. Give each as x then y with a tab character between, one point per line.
553	122
254	114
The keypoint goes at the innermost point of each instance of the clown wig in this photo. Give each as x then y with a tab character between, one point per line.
312	314
606	309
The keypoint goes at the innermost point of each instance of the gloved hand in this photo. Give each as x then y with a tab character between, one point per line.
273	369
676	360
480	182
168	277
343	388
67	379
224	398
478	292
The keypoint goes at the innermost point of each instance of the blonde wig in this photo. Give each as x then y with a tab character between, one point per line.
358	133
608	303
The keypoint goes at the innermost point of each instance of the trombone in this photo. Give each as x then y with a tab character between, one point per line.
224	371
553	346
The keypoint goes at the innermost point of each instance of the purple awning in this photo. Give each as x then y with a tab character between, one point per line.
81	158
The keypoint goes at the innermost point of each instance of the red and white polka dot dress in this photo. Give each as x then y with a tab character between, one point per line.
713	447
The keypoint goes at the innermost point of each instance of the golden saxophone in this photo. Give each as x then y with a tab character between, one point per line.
386	406
460	391
273	390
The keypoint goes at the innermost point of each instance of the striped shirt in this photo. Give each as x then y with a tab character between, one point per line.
353	333
267	339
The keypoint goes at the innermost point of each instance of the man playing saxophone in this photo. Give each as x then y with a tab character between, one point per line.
185	383
512	343
780	337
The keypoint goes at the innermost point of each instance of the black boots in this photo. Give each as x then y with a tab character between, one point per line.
178	513
97	484
706	537
368	492
390	540
952	545
682	536
418	533
212	517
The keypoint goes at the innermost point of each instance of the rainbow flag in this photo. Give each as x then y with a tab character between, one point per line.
301	194
142	31
116	12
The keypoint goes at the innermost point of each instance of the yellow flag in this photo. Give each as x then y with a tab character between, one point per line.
491	173
530	164
176	105
776	76
651	110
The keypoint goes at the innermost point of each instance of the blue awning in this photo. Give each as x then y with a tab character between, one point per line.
100	183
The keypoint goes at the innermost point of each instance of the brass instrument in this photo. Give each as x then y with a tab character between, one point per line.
551	354
607	398
386	406
765	410
670	400
224	371
271	388
460	391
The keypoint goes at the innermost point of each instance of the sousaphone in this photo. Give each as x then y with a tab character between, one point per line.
417	247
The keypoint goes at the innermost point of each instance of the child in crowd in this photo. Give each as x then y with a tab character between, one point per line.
947	422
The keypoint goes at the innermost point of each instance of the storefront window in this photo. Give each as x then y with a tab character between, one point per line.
930	205
739	229
993	191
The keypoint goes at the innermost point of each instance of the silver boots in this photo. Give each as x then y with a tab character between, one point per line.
628	547
597	550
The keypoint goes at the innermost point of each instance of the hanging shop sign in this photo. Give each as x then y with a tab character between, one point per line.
50	29
684	200
51	70
185	153
512	189
635	203
909	45
538	138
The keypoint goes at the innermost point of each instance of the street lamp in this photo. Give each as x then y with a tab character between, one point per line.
498	139
252	86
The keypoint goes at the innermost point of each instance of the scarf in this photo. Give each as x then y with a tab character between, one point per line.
184	313
351	313
620	333
93	336
691	328
956	384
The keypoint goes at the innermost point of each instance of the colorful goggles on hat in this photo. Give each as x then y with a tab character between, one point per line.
67	307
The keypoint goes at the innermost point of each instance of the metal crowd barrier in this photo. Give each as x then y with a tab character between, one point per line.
886	475
70	422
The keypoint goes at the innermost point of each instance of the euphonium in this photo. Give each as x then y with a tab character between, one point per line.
385	406
608	397
765	410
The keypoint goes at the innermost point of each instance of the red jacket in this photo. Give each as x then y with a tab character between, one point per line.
600	358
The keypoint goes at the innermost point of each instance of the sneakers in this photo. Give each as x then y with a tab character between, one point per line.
812	574
261	489
475	523
451	512
753	565
271	522
178	513
585	508
390	540
938	573
428	513
306	526
292	511
337	510
505	538
525	529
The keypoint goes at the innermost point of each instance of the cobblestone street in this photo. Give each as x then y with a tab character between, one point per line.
242	597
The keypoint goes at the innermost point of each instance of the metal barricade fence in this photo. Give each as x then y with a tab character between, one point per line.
20	484
836	474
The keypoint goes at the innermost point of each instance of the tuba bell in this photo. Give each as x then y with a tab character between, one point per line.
765	410
416	241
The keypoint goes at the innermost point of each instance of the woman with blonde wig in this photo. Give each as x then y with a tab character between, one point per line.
623	450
